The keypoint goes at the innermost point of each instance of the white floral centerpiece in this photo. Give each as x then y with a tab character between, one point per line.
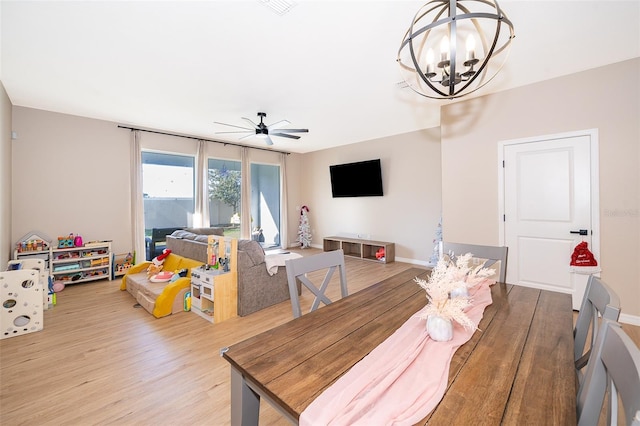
447	295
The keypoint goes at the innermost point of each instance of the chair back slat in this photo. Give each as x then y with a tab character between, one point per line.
599	301
614	370
493	254
297	269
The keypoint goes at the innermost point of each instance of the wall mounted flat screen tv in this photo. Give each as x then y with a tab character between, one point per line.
361	179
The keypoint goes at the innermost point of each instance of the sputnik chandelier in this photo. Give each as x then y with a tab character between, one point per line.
444	26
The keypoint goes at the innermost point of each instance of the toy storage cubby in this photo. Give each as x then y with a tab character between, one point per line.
74	265
361	249
21	294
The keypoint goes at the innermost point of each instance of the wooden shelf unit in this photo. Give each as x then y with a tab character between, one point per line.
74	265
362	249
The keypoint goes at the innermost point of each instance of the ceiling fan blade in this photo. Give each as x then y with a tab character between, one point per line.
284	135
293	130
232	125
278	124
251	121
263	131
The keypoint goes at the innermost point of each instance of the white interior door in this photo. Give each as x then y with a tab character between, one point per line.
549	185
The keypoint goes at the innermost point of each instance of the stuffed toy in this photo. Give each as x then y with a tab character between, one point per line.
157	263
162	277
380	253
180	273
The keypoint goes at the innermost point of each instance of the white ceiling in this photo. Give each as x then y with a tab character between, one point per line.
328	66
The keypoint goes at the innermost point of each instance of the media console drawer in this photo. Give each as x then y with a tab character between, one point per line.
376	251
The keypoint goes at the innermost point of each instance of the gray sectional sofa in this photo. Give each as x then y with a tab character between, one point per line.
192	242
256	288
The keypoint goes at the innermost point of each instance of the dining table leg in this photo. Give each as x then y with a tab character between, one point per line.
245	403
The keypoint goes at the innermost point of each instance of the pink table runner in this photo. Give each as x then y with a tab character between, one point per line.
401	381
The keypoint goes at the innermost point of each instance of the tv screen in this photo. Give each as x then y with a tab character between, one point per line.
362	179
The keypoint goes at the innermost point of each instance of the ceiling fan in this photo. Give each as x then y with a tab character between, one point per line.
263	131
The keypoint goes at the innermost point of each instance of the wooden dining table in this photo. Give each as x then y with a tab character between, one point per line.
517	368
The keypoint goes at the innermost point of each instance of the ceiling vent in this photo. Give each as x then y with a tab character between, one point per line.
279	6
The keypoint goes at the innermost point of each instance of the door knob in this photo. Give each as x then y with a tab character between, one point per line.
581	232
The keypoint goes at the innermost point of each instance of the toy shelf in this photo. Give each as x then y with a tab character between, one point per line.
74	265
361	249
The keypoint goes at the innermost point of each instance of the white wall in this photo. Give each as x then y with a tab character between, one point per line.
606	98
295	194
406	215
5	178
70	175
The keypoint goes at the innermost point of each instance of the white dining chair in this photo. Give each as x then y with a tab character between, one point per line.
297	270
493	254
599	301
613	369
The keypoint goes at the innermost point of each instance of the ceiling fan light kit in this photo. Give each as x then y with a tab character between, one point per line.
470	36
262	131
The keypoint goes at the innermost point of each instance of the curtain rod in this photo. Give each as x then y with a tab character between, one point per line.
178	135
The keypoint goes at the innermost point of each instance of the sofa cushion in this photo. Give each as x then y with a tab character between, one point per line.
188	248
172	263
253	249
202	238
183	234
152	290
186	263
206	231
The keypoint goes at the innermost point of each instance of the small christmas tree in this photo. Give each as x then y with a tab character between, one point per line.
304	230
437	241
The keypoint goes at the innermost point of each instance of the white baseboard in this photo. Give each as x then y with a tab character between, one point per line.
413	261
629	319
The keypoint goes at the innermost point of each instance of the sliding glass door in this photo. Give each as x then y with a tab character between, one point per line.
225	196
168	194
168	182
265	204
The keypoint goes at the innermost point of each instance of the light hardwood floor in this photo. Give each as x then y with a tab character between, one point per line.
99	360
